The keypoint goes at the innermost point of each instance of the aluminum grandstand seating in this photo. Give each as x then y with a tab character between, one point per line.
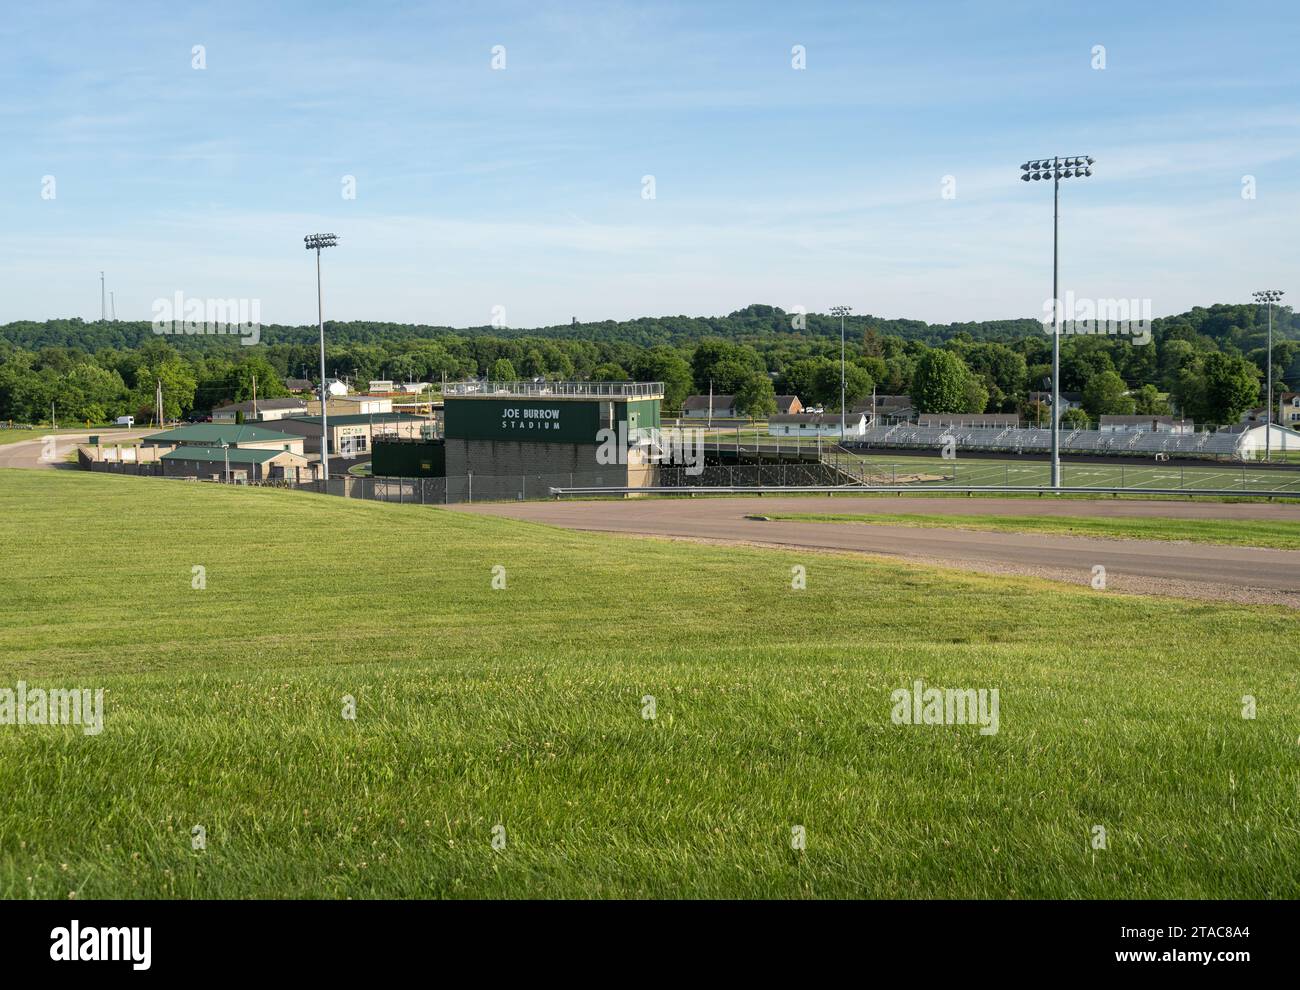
1030	439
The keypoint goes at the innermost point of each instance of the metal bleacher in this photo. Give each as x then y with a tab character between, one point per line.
1015	439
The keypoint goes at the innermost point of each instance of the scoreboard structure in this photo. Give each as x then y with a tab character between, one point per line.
509	429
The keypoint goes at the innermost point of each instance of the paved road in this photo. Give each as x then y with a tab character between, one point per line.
29	453
1195	570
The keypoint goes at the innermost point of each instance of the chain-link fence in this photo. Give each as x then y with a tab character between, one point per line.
922	474
466	488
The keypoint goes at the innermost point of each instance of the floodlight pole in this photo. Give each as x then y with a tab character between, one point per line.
842	312
324	389
1268	415
317	242
1056	328
1056	168
1269	296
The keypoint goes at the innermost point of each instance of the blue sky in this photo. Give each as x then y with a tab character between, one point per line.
522	187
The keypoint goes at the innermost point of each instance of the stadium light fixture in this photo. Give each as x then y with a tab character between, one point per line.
317	242
841	312
1269	297
1056	169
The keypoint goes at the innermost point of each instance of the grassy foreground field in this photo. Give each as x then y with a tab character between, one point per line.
1227	532
523	708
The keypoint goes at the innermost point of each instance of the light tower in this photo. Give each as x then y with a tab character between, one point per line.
841	312
1269	297
1056	169
317	242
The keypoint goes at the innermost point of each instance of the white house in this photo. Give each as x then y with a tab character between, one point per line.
263	410
1145	424
1288	410
363	404
816	425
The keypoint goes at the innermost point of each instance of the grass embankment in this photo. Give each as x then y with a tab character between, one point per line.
1228	532
523	708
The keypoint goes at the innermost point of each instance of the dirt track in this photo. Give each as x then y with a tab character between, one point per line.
1241	574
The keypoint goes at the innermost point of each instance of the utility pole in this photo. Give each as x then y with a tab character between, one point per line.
159	402
255	397
102	308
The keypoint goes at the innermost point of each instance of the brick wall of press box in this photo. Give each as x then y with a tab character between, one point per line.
511	457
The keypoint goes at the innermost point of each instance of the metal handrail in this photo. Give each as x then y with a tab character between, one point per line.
922	490
628	390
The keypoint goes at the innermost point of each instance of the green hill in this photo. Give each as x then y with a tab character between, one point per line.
523	708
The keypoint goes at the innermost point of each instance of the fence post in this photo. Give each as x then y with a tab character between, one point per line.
469	477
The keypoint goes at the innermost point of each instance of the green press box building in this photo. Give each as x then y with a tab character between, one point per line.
548	428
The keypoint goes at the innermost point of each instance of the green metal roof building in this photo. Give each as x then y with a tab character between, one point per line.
215	434
237	463
351	434
235	455
352	419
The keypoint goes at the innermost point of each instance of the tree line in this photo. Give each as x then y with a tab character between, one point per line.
1206	364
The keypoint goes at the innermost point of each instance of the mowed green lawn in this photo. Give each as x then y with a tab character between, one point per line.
1230	532
523	708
